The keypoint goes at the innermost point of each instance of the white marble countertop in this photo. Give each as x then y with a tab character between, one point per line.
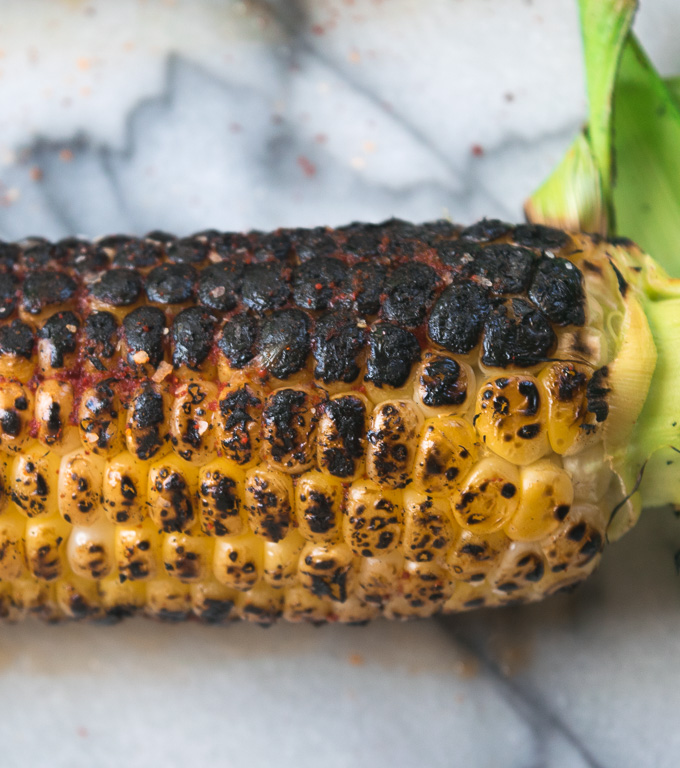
182	115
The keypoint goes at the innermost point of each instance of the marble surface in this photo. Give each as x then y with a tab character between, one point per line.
134	115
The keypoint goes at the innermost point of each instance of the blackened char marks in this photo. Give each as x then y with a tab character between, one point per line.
237	339
596	394
161	237
284	342
441	383
218	286
312	243
485	230
540	237
457	255
229	246
433	232
368	284
192	336
338	339
60	331
100	333
458	316
319	512
10	253
38	252
318	281
117	287
136	254
143	331
264	287
270	246
363	241
147	416
517	335
557	290
236	409
80	255
112	242
280	415
16	339
392	353
188	250
409	292
46	287
503	268
8	293
171	283
348	416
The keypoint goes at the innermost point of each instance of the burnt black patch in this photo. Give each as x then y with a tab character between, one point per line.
319	513
440	383
264	287
171	283
540	237
458	255
143	331
44	288
596	394
148	409
284	342
60	331
8	294
117	287
100	333
218	286
557	289
502	268
271	246
392	353
485	230
160	236
529	392
238	338
136	254
317	281
280	413
336	343
433	232
192	336
16	339
188	250
368	284
529	431
409	292
522	336
37	253
348	415
458	316
620	279
115	241
10	253
312	243
10	422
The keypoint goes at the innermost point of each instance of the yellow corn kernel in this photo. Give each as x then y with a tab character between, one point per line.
121	599
99	415
135	550
90	550
45	544
212	602
378	577
341	441
354	611
186	557
473	556
237	562
546	496
443	385
268	499
78	598
12	551
289	420
16	413
192	431
326	570
238	423
170	496
34	598
124	489
146	426
577	542
488	496
167	599
34	480
261	605
512	419
520	568
53	407
281	559
80	487
318	506
373	519
392	442
428	526
300	605
17	367
424	587
447	450
221	488
564	386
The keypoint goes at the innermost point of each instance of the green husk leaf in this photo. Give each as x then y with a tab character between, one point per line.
673	86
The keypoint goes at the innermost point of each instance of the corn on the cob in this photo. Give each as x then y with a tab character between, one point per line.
324	425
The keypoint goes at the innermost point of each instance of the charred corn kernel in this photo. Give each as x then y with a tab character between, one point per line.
428	526
53	406
424	588
447	450
80	487
511	418
342	436
78	598
124	489
212	602
238	423
98	420
577	542
34	480
167	599
186	557
121	599
521	568
318	506
474	555
373	519
280	559
17	361
394	427
89	550
221	485
268	500
443	385
261	605
192	431
135	550
301	605
12	551
237	562
565	390
146	428
170	496
45	545
488	497
378	577
289	420
326	570
16	413
546	495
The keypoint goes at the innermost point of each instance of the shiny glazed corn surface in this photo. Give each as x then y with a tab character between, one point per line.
324	425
